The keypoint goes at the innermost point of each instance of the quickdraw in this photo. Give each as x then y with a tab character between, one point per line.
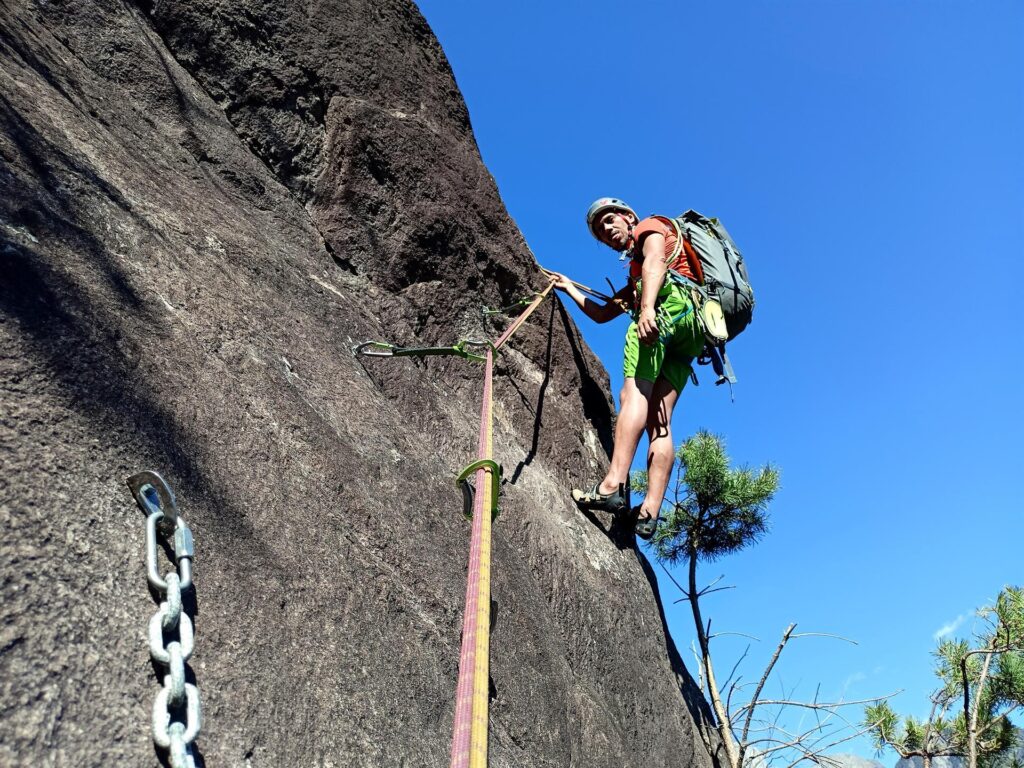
523	302
383	349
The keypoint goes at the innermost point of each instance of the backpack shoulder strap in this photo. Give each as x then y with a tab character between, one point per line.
683	242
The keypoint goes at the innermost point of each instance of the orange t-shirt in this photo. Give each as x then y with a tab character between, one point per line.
662	226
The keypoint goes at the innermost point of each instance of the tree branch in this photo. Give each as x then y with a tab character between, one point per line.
826	634
764	679
700	667
810	705
818	751
709	586
735	634
686	595
797	741
971	716
704	592
926	741
733	672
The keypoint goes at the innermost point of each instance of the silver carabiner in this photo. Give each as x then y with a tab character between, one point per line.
184	551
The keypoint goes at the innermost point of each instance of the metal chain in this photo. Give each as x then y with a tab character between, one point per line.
177	713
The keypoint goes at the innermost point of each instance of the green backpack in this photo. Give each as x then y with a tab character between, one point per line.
725	296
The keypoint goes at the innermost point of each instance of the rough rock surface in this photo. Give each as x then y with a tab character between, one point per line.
203	205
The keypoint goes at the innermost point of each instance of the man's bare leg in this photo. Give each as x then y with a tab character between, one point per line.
661	453
633	406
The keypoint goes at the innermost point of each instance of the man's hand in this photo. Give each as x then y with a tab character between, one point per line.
561	282
600	313
647	326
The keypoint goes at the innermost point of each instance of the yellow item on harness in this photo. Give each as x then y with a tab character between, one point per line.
714	321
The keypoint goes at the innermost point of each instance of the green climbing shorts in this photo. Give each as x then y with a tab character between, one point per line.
681	340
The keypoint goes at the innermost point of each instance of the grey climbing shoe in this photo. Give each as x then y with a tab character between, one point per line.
645	527
615	502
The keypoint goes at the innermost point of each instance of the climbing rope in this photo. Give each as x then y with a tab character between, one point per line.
469	737
523	317
177	714
488	312
624	306
469	731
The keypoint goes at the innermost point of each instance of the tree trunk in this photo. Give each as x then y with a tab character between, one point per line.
971	713
732	750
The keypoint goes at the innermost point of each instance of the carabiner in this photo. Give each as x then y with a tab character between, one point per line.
374	349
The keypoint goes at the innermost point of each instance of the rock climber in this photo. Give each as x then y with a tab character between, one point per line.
661	343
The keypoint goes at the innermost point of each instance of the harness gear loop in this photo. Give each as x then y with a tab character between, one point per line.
469	492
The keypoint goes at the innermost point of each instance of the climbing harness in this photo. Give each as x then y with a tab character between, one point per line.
667	321
177	713
469	731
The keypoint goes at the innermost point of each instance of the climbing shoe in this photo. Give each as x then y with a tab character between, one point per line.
615	502
645	527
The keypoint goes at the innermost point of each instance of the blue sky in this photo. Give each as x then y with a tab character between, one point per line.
867	157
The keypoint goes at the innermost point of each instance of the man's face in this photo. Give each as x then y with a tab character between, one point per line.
612	229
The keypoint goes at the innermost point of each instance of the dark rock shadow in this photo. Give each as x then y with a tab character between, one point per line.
14	45
50	167
698	706
538	411
618	528
592	396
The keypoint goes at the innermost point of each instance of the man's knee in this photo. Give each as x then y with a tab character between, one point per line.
635	388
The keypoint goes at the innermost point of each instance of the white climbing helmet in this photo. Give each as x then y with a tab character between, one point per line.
603	204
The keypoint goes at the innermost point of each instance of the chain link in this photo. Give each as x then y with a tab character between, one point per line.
177	712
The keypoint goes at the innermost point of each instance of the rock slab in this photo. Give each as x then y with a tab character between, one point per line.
203	207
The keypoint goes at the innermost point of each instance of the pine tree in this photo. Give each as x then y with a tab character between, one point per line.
981	683
717	510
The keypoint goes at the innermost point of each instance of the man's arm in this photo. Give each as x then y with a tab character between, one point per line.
599	313
653	274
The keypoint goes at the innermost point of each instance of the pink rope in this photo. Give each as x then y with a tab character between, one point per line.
467	658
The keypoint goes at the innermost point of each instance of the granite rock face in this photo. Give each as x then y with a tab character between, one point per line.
203	206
